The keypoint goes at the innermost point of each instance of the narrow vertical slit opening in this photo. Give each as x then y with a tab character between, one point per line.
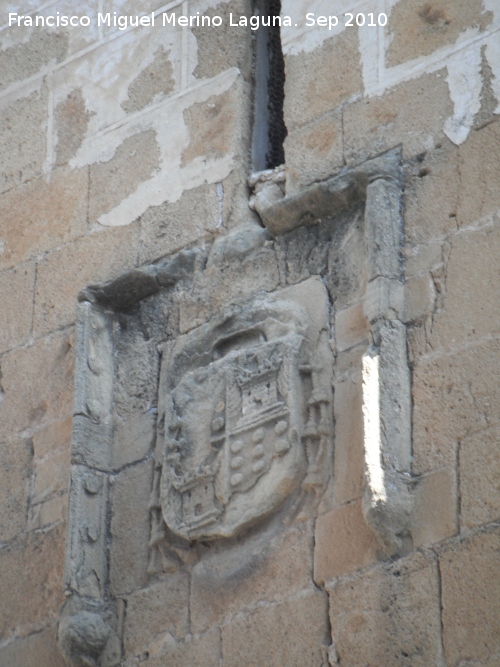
269	130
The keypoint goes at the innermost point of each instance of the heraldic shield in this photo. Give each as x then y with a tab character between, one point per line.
237	401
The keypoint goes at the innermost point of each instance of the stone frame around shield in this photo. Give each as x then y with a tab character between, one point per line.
119	377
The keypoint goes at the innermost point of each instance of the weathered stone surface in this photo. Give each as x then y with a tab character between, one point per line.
155	613
351	327
480	478
196	651
15	472
479	166
92	421
64	272
39	650
293	633
225	47
31	581
25	59
37	384
420	297
23	142
16	305
262	568
313	152
349	456
411	113
454	395
233	453
426	257
216	127
435	512
344	543
154	82
88	533
87	633
388	617
419	28
164	229
431	194
48	512
313	87
384	228
136	374
51	447
130	528
384	300
133	438
136	160
470	580
37	217
471	308
257	272
71	120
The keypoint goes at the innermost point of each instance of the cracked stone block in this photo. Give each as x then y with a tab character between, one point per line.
470	304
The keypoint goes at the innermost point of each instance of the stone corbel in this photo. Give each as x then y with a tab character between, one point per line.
386	377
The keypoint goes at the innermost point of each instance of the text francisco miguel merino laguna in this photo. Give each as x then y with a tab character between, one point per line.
122	22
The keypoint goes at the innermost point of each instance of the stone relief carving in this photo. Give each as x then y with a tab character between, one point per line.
243	418
244	425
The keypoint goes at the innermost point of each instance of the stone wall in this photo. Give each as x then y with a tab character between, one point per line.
122	147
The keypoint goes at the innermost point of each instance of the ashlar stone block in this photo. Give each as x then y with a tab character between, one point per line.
16	305
470	306
411	113
419	28
344	543
292	633
31	581
471	597
480	478
263	568
39	216
130	528
155	614
455	396
389	616
479	195
310	76
37	382
37	650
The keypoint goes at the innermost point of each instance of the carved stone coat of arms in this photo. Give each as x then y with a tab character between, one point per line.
242	416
